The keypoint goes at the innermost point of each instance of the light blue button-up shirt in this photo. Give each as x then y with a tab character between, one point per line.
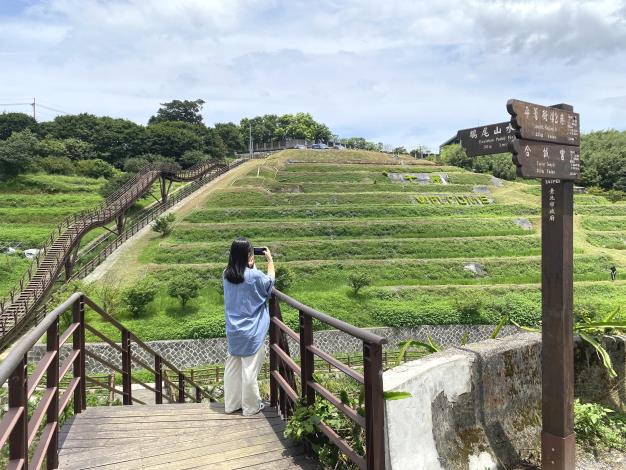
247	313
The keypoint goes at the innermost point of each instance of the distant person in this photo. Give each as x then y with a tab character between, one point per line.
246	292
613	273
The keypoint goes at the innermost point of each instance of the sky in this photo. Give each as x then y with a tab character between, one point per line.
403	73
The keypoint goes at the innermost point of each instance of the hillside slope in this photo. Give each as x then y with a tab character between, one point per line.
441	245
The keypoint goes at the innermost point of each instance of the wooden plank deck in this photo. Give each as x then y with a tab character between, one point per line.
177	436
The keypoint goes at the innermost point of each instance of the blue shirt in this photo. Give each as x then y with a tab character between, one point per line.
247	314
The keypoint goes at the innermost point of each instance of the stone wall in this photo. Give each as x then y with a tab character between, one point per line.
479	406
191	353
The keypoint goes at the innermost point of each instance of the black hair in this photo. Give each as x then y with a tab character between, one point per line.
240	252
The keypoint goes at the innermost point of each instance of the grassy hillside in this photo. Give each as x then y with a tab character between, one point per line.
327	214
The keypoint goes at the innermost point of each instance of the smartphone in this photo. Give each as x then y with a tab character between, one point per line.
259	250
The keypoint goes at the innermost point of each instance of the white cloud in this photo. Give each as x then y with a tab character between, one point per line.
400	72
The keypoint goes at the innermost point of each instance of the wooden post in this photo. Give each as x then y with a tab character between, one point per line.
18	440
52	382
306	358
158	380
558	444
126	368
374	405
163	190
78	343
119	222
181	388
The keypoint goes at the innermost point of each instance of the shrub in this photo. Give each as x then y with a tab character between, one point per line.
192	157
94	168
138	296
284	278
185	285
211	327
358	280
135	164
56	165
599	427
163	224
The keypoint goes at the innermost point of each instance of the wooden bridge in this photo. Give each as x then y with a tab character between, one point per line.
184	429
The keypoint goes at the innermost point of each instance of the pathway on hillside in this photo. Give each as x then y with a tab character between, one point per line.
123	264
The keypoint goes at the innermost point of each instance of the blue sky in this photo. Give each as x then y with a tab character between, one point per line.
405	73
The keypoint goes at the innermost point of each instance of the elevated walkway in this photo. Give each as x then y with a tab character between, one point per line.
177	436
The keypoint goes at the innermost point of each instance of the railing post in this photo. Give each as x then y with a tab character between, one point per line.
158	380
374	406
181	387
273	359
78	343
18	441
126	366
52	381
198	395
307	363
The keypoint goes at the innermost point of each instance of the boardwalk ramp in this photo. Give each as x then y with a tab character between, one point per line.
177	436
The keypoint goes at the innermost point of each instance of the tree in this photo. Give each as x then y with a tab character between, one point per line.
163	225
17	153
358	280
56	165
455	155
177	110
138	296
192	157
113	184
95	168
185	286
284	278
231	136
172	139
15	122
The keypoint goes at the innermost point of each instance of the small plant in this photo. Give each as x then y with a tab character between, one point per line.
138	296
598	427
184	285
284	278
430	346
359	280
163	224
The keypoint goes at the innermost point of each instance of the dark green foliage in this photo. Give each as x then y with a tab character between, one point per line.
603	159
455	155
135	164
177	110
94	168
71	148
284	278
598	427
17	153
185	286
207	327
163	224
173	139
15	122
499	165
192	157
139	295
232	138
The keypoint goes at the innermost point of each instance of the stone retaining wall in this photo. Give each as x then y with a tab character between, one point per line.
191	353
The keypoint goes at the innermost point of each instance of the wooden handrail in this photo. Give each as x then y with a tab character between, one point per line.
282	382
19	431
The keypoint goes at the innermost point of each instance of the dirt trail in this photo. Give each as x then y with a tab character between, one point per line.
124	265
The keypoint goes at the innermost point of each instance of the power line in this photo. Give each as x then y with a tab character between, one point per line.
15	104
52	109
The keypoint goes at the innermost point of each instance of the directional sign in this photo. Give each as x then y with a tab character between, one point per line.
486	140
544	123
543	160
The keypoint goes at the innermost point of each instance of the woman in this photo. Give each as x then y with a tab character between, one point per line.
246	291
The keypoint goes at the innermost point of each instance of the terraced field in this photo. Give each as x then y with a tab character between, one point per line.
440	244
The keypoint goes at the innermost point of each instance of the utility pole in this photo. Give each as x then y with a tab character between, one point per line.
34	105
250	139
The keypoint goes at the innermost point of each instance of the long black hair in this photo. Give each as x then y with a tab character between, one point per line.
240	252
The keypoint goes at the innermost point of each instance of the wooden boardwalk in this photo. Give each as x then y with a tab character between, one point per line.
177	436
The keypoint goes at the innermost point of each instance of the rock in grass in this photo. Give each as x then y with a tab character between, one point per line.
475	268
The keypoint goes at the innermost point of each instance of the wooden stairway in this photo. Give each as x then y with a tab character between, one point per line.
177	436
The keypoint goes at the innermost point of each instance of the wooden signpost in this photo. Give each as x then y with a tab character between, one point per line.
487	140
547	147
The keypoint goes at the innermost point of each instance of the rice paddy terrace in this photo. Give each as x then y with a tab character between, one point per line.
440	244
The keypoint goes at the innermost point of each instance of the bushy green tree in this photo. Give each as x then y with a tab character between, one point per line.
231	136
95	168
114	183
17	153
455	155
15	122
56	165
358	280
164	224
139	295
185	286
192	157
284	278
179	110
173	139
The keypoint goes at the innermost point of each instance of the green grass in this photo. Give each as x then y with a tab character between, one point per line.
293	250
50	184
612	240
421	228
604	223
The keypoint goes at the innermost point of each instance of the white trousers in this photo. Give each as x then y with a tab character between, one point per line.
241	389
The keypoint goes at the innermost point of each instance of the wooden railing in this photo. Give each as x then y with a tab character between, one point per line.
284	370
25	303
20	433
